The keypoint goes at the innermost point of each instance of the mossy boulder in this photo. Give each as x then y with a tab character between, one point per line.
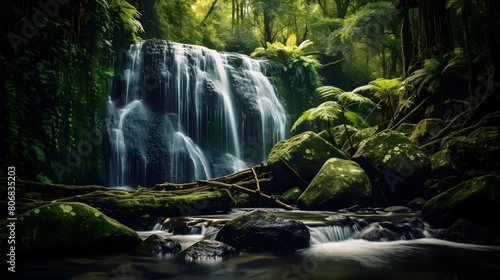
406	128
479	150
446	163
305	153
477	200
71	228
426	129
340	183
394	163
262	231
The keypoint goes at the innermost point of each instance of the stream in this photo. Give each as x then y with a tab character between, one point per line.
337	251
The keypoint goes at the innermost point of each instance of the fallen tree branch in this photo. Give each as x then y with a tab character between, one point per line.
249	191
256	180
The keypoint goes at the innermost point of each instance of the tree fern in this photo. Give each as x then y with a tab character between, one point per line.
330	111
327	112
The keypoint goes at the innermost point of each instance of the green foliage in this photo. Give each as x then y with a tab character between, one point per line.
299	69
428	78
55	86
329	111
390	92
370	39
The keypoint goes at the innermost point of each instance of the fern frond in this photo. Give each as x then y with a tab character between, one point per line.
326	111
356	120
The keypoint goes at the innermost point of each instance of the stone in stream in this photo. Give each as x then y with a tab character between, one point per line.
477	200
305	153
71	228
262	231
465	231
207	250
378	232
156	244
340	183
398	209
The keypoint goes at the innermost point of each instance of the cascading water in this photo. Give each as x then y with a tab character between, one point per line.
180	113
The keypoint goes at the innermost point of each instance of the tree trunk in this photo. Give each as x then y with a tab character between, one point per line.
406	42
493	33
342	6
435	29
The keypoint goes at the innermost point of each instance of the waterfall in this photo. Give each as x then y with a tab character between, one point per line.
180	113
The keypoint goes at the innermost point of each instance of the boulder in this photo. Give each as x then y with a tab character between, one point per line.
426	129
377	232
340	183
479	150
465	231
70	228
207	250
397	209
156	244
445	163
394	164
261	231
477	200
305	153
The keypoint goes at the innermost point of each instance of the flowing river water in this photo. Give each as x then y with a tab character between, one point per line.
336	252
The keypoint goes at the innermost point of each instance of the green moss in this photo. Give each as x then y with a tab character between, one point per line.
71	225
307	145
340	183
476	199
426	129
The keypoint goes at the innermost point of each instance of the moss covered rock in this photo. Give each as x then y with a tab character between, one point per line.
305	153
446	163
477	200
340	183
479	150
262	231
425	129
394	163
71	228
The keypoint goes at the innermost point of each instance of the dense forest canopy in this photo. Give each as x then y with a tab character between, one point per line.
424	58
